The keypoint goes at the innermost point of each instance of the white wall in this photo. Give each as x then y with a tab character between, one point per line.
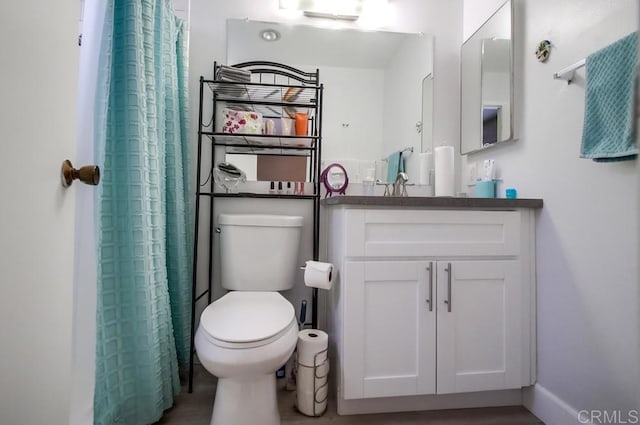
442	18
587	231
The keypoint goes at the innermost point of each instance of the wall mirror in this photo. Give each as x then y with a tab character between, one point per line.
378	92
487	84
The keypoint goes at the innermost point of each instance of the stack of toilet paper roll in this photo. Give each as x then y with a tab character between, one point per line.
312	372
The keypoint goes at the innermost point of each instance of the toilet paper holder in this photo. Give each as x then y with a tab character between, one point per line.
314	295
317	388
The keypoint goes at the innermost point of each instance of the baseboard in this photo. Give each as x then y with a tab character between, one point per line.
549	408
430	402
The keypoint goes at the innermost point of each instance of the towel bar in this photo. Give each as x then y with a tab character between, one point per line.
569	72
407	149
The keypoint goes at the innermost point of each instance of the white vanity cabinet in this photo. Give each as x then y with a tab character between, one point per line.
389	330
478	342
430	302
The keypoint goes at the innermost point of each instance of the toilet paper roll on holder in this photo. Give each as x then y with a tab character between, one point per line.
330	273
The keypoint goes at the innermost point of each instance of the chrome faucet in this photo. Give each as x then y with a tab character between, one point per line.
400	185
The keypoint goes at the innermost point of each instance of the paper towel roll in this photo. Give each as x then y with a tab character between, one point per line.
310	343
318	275
445	173
426	165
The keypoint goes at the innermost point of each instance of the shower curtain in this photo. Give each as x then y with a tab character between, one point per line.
142	213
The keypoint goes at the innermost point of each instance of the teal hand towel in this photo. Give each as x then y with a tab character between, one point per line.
395	165
608	131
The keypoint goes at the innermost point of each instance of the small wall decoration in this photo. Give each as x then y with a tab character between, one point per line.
543	51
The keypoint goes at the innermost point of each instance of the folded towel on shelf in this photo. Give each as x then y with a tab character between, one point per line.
608	130
229	73
241	122
232	90
233	75
395	165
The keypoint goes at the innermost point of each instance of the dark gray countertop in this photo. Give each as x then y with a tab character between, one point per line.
421	202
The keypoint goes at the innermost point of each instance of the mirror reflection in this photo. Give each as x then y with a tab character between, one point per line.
487	84
377	92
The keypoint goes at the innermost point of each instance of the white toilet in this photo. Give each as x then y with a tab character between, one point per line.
249	333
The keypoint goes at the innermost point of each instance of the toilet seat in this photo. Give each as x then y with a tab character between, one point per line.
247	319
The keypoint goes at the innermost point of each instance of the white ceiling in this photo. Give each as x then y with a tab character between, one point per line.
310	45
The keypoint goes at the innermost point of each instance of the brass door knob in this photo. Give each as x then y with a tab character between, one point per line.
89	174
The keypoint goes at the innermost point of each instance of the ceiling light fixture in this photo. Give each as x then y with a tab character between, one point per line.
349	10
270	35
326	15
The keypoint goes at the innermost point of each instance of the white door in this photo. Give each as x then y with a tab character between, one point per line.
390	345
479	326
38	79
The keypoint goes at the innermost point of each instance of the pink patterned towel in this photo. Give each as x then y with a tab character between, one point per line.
242	122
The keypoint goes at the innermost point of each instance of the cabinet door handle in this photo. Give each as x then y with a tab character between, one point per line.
430	300
448	300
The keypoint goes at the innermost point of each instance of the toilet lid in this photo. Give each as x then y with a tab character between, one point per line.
245	317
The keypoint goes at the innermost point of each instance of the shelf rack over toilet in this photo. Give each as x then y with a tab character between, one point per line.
270	82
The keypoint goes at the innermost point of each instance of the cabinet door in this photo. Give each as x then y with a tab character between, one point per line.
389	329
479	345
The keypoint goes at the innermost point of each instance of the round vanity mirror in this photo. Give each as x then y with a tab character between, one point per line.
335	179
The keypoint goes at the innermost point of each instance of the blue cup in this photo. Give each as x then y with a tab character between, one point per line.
511	193
486	189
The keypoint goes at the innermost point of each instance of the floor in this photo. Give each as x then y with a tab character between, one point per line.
195	409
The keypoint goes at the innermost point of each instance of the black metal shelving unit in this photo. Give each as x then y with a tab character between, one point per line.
267	93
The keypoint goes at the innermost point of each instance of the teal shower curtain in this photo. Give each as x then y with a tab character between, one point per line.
144	251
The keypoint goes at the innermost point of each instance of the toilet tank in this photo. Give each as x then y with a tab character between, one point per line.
259	252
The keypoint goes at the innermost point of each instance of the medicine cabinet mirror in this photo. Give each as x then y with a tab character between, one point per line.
377	98
487	84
